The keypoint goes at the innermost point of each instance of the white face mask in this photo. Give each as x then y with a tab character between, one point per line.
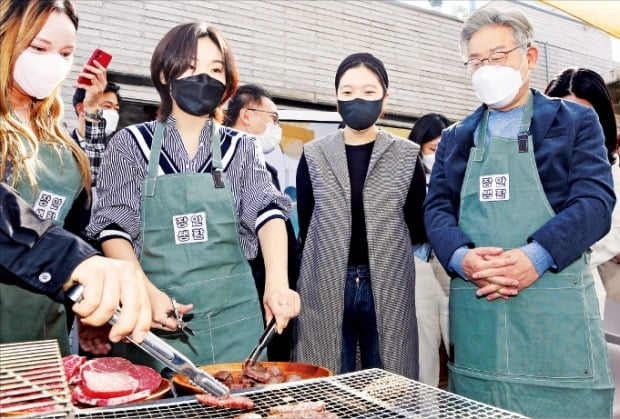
497	86
111	120
428	160
271	138
39	74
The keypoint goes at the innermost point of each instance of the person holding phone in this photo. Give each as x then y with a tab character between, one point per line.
97	107
188	201
96	104
42	171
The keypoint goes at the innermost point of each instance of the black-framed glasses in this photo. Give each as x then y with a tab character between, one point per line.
497	58
274	115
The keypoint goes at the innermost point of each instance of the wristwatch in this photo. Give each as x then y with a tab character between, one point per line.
97	116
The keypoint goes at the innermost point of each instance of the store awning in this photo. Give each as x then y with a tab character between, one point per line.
602	14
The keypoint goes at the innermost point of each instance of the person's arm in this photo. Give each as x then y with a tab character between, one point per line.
441	206
608	247
413	209
117	210
116	218
45	258
305	199
122	249
586	214
31	247
92	130
280	301
265	209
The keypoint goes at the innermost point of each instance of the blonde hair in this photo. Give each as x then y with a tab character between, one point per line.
20	22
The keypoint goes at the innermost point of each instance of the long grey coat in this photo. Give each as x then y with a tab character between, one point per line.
324	260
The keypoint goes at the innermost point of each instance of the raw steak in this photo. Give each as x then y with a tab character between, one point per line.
71	364
148	378
78	394
105	378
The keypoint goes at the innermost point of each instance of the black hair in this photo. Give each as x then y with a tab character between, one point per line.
176	52
428	127
366	60
589	85
80	94
244	96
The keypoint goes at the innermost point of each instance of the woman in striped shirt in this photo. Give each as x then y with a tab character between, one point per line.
189	201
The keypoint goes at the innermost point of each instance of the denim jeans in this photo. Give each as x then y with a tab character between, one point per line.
359	323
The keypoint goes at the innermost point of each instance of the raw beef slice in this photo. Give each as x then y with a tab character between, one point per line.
79	394
71	364
106	378
148	378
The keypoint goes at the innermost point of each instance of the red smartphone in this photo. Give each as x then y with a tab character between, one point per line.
101	57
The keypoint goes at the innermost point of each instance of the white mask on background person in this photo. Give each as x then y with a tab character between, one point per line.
111	120
39	74
271	138
496	86
428	160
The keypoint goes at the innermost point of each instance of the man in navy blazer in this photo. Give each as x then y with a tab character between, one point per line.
570	156
519	191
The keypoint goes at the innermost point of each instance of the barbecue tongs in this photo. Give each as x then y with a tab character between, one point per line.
264	340
166	354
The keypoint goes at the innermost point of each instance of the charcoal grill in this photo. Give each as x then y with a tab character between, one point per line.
32	380
370	393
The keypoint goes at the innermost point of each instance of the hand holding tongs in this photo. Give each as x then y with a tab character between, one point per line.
166	354
264	340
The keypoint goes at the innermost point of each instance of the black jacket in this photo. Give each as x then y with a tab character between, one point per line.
35	254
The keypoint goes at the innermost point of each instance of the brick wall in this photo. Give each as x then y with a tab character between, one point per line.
294	47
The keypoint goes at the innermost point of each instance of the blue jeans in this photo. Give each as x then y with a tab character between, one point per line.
359	323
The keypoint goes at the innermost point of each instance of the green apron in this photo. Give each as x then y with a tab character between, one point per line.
41	318
191	251
542	353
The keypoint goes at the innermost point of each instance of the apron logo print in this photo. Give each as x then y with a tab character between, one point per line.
48	205
495	188
190	228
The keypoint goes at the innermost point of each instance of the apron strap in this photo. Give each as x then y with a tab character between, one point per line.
524	137
151	179
216	155
216	158
480	140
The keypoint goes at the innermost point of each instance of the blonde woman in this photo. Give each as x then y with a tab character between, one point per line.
42	172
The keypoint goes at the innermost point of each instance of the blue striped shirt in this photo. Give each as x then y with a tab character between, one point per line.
124	168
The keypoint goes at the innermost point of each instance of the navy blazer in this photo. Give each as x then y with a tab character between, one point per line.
572	163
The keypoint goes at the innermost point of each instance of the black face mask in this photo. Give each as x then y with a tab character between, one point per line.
360	114
197	95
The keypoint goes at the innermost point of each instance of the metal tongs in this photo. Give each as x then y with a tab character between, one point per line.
264	340
166	354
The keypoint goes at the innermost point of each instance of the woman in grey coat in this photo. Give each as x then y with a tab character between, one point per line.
360	192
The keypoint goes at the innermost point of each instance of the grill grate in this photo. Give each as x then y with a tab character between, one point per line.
32	380
367	394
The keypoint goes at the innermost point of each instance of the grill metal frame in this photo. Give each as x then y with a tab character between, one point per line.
32	377
373	393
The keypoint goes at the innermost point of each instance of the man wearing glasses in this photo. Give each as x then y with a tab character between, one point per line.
520	189
252	110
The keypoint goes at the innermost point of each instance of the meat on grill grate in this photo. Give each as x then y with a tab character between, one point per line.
226	402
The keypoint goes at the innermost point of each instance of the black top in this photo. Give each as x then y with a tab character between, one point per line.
358	158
